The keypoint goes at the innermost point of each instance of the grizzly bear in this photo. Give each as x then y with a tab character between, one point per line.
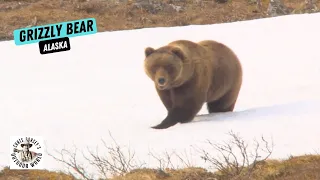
188	74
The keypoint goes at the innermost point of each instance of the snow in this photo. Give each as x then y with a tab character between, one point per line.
76	97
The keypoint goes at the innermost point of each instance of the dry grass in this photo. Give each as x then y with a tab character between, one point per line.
170	174
7	174
120	16
296	168
305	167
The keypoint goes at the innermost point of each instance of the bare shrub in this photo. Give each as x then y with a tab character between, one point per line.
70	159
113	162
229	164
166	160
233	160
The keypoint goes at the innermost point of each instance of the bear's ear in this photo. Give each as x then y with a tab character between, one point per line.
178	52
148	51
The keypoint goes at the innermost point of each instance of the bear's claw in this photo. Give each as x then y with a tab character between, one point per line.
165	125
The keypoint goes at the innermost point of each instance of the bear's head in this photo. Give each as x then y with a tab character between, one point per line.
164	66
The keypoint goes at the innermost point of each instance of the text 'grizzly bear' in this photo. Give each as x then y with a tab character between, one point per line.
188	74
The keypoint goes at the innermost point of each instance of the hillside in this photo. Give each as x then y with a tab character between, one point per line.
114	15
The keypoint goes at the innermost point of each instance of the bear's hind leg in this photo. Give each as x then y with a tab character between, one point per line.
218	106
225	104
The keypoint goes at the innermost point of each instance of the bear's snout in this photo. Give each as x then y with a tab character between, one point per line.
161	81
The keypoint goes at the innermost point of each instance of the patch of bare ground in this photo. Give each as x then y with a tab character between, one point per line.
114	15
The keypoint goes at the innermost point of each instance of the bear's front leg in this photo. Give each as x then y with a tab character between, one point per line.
185	107
165	98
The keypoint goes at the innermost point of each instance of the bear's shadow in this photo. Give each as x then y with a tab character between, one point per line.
289	109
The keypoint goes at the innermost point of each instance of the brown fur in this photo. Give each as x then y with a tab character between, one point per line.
188	74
